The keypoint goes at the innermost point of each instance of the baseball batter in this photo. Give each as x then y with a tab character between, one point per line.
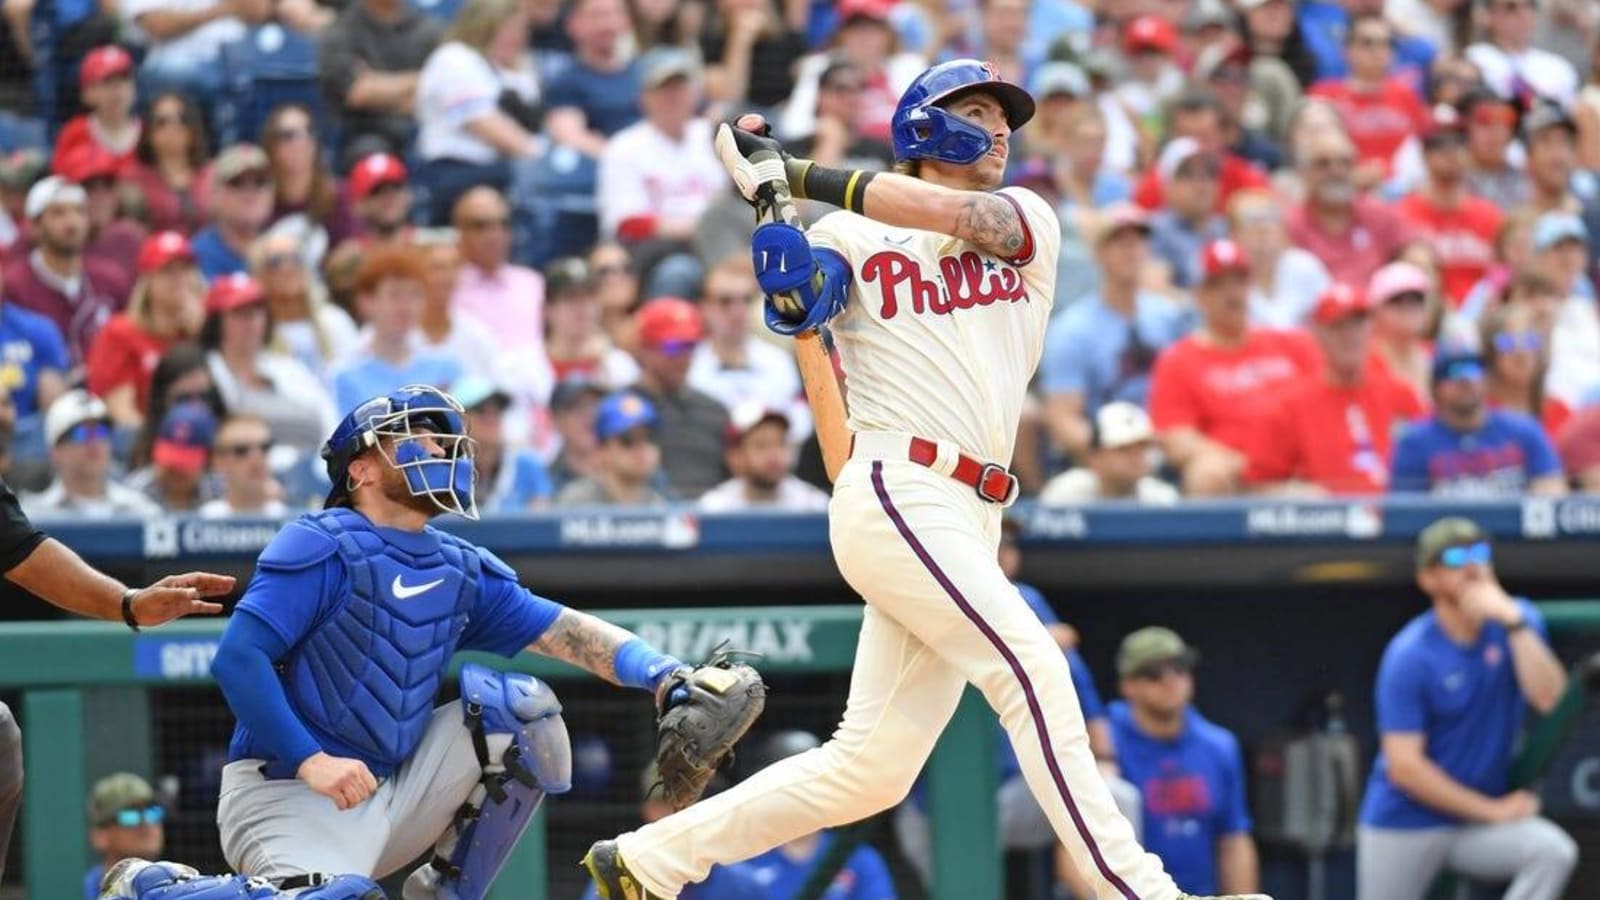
341	767
937	290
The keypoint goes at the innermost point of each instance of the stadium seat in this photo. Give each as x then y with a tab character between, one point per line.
269	67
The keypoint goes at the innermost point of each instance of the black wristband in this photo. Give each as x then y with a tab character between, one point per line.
845	188
127	608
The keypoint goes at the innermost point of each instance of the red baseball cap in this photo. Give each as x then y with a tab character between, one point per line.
668	323
105	62
1443	119
89	161
1339	302
1150	33
1223	257
231	292
374	171
163	249
876	10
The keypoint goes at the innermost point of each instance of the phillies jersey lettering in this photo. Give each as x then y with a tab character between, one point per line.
940	337
963	282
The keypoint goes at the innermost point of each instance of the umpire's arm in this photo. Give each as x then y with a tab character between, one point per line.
50	570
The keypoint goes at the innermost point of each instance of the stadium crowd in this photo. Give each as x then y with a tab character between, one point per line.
1308	247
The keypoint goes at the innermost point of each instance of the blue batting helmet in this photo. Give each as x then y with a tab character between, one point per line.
922	129
405	417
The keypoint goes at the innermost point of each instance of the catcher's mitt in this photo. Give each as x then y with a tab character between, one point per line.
706	710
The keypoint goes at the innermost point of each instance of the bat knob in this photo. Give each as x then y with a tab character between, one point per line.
753	123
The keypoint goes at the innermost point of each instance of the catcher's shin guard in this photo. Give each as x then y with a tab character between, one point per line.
538	762
139	879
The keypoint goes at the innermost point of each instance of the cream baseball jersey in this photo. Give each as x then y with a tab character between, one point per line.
939	338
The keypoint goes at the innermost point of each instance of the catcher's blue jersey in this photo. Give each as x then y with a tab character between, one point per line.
371	617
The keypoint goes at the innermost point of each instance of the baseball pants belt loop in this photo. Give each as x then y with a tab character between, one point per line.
990	481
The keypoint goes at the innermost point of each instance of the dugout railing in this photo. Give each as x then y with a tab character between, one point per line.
53	667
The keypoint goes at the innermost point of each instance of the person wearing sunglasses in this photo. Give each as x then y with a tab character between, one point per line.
628	469
125	819
1516	362
1353	234
1188	769
239	462
241	181
1468	449
77	431
1453	690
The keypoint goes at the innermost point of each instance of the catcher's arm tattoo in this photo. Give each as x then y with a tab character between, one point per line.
584	641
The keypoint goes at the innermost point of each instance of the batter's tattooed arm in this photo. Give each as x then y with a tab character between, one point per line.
992	223
584	641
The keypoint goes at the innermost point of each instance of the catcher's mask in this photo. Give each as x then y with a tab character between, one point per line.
400	426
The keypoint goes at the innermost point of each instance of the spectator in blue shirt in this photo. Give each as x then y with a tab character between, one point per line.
783	870
390	355
1189	770
1467	449
1180	230
596	94
1452	690
243	197
33	359
1103	347
510	478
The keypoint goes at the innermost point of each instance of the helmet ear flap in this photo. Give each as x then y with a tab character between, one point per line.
934	133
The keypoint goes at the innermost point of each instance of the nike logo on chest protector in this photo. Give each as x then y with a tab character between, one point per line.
404	591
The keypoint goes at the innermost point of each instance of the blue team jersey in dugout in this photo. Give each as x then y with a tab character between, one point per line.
371	617
864	876
1193	789
1463	699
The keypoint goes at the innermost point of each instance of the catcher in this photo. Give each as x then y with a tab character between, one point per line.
340	766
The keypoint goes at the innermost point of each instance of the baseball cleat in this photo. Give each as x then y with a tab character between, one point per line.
611	876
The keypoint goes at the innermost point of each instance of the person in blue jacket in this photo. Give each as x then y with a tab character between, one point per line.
1453	688
782	871
340	764
1188	769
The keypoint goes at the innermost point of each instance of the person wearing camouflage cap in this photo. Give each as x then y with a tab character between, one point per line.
1452	692
1189	769
125	819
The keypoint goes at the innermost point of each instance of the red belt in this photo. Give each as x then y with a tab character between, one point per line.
992	482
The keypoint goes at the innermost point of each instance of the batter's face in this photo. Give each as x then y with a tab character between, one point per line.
988	172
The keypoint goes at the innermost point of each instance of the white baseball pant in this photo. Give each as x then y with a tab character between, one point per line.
920	547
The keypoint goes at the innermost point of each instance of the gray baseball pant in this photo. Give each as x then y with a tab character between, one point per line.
1534	855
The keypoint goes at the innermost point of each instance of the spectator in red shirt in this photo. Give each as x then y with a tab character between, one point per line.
56	280
1211	392
167	306
113	237
169	170
106	81
1198	114
1379	110
1331	432
1460	227
1353	235
1516	362
1579	446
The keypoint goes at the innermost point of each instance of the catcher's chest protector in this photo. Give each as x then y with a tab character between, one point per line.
367	675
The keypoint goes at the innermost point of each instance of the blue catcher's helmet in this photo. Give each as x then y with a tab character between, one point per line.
922	129
409	419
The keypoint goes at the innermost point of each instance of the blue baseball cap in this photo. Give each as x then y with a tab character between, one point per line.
1458	365
621	412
